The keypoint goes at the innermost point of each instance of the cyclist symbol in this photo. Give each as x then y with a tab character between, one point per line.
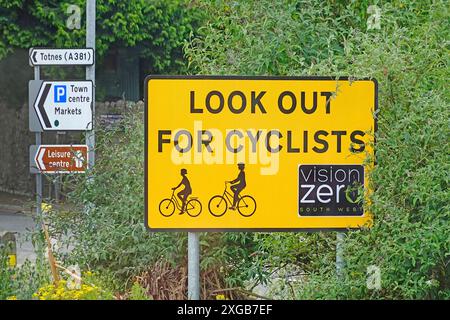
246	205
192	206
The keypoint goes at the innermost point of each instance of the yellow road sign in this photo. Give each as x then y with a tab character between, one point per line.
258	153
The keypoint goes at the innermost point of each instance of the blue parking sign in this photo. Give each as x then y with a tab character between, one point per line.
60	94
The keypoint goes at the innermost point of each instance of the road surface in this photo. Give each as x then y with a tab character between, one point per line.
22	224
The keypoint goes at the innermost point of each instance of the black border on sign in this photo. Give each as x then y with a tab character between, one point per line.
30	52
210	77
68	130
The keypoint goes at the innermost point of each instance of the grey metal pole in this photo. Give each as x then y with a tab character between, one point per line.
57	181
38	135
193	266
90	75
340	238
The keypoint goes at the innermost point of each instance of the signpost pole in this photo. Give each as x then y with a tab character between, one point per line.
193	266
340	254
90	75
58	180
38	135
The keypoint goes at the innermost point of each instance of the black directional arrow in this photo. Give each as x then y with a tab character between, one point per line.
41	105
34	57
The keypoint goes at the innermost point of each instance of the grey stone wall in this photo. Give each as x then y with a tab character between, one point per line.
14	141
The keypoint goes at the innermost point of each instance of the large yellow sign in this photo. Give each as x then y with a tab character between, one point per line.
258	153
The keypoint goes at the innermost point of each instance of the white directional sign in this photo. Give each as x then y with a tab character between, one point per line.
61	57
64	105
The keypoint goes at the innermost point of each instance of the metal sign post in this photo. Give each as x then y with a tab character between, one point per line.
90	75
193	266
340	237
38	139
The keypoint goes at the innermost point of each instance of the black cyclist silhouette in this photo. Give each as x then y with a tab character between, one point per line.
192	206
183	194
239	185
245	205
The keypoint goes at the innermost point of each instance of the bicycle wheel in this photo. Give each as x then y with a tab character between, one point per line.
217	206
166	207
246	206
193	207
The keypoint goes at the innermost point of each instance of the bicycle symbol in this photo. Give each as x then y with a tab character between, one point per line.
167	206
218	204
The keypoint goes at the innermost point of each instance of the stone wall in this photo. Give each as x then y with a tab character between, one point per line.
14	142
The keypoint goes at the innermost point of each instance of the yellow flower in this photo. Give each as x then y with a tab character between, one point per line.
12	298
61	292
46	207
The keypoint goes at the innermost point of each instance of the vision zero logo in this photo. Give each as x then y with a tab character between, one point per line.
330	190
